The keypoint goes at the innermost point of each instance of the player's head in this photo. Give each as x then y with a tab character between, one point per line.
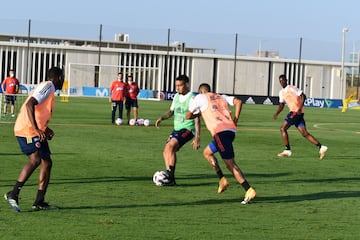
12	73
182	84
204	88
283	80
56	75
130	79
120	76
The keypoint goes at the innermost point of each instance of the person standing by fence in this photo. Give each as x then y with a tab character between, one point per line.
117	96
10	86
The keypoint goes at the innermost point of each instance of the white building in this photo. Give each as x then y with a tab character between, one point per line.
96	63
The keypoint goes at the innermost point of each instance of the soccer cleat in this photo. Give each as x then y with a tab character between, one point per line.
285	153
223	184
168	181
249	195
322	151
13	201
43	206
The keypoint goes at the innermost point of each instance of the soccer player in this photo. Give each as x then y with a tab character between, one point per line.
32	132
184	129
117	96
131	98
294	98
215	111
10	86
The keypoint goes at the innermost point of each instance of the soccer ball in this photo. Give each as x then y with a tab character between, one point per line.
146	122
160	178
132	122
140	121
118	121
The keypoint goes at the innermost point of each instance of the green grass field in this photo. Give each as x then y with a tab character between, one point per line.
102	180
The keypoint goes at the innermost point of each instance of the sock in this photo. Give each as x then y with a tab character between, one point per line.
220	174
287	147
171	172
318	145
17	188
40	196
245	185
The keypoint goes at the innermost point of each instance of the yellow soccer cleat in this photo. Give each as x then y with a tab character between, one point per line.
249	195
223	184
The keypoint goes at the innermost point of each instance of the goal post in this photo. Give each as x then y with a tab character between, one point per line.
95	79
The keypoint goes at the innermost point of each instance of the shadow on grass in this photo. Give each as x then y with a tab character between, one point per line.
258	200
309	197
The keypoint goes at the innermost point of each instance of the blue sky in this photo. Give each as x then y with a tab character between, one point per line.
257	22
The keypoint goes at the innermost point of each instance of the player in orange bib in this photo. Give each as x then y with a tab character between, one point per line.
294	98
32	132
217	116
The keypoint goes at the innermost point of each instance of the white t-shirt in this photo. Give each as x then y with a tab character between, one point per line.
200	102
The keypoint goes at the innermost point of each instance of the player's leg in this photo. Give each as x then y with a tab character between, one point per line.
128	110
303	131
176	140
44	179
285	137
208	154
12	108
135	107
113	111
13	196
169	155
135	110
121	107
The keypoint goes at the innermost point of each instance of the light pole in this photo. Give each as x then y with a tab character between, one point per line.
343	75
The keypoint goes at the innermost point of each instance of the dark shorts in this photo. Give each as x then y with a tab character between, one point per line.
10	99
294	119
34	145
131	103
182	136
222	143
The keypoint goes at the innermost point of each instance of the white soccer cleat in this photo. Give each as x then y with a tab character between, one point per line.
322	151
285	153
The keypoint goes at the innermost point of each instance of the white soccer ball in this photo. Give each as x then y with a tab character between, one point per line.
160	178
140	121
132	122
146	122
118	121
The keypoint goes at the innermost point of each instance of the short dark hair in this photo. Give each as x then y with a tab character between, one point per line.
205	86
283	76
54	72
183	78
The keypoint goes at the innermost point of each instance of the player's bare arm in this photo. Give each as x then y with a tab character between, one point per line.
280	108
165	116
302	99
238	107
196	141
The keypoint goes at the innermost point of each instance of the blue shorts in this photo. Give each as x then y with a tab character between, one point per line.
222	143
182	136
34	145
131	103
295	119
